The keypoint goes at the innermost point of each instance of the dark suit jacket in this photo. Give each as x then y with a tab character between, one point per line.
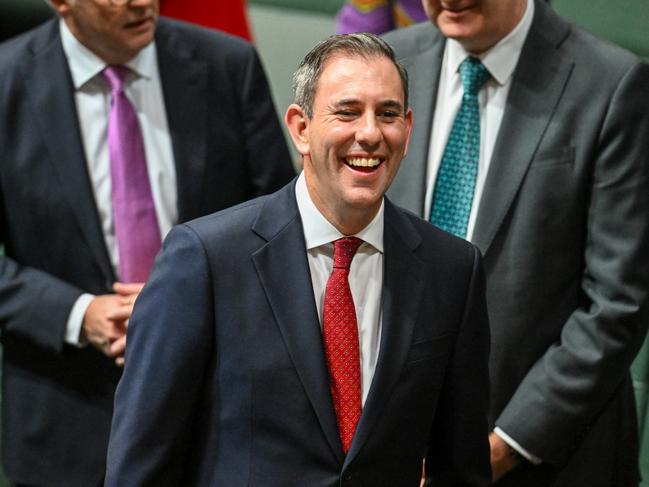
563	225
226	381
227	146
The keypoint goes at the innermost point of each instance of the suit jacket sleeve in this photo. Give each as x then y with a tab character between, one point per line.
567	387
269	162
166	359
459	448
34	305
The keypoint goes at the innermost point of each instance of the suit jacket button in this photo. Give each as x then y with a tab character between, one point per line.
347	476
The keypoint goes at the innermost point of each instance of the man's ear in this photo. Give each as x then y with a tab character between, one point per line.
297	124
61	6
408	122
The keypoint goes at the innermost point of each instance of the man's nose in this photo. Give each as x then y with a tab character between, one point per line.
369	132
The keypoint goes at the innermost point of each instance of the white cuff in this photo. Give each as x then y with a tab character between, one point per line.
75	321
514	444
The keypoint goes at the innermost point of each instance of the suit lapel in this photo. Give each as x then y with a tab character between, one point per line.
537	86
184	84
403	283
55	113
410	183
284	273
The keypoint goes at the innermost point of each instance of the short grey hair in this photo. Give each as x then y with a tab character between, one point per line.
364	45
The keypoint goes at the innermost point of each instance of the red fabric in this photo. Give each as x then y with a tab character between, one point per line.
226	15
340	336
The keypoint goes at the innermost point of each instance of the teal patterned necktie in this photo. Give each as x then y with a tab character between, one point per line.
455	183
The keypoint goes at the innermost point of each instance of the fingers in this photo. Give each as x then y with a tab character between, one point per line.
106	320
128	289
117	348
501	460
112	347
102	344
120	314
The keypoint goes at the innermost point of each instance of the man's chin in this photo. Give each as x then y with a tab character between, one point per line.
365	200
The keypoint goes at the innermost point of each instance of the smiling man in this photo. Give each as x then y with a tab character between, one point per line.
114	126
530	140
319	336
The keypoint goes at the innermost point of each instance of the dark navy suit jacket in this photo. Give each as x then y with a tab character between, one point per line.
226	382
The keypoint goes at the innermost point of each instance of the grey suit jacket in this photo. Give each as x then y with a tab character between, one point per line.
227	146
226	382
564	228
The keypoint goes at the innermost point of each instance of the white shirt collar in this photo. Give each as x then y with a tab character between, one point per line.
85	64
317	229
501	59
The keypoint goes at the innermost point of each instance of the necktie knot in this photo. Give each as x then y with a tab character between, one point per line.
344	250
115	76
474	75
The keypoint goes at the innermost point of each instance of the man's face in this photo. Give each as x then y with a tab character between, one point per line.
355	140
476	24
116	33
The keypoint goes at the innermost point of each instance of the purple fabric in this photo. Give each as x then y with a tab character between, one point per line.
377	21
134	216
378	16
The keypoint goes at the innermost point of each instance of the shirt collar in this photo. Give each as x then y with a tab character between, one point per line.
85	64
501	59
317	229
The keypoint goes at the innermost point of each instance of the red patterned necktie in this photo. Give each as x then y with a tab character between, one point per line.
340	336
134	216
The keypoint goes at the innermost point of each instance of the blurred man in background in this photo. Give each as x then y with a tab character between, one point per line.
530	140
115	125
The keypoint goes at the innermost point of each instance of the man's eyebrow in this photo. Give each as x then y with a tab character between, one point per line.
346	102
392	104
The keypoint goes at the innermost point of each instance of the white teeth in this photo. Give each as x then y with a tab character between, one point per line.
363	161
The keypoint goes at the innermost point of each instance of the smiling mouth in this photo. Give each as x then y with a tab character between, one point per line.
458	9
364	164
139	23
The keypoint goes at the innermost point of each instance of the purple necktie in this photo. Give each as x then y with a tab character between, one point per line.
134	216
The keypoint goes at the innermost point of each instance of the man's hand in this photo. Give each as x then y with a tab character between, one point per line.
106	320
130	290
117	349
501	461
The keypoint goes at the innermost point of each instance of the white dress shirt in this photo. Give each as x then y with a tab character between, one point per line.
92	98
500	61
365	275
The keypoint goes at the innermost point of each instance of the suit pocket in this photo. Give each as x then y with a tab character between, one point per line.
554	157
434	348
